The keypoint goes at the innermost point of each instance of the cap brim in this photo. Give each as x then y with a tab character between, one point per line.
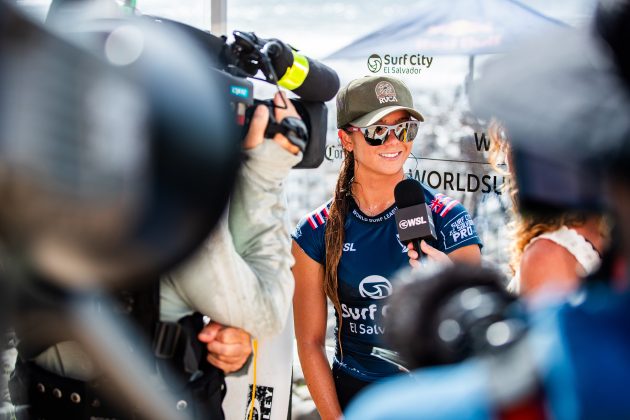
374	116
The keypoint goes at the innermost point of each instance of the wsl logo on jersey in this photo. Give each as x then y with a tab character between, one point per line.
349	247
375	287
407	223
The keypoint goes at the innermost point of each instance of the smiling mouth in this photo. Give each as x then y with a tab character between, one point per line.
390	155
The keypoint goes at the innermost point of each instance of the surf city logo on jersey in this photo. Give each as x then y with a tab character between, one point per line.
375	287
399	64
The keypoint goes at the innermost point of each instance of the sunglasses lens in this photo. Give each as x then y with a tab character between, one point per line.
375	135
411	131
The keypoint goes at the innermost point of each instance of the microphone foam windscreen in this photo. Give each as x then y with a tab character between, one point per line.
408	192
321	84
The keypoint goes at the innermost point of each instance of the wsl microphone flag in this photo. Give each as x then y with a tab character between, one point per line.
413	217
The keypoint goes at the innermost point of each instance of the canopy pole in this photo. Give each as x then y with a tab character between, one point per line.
471	73
218	17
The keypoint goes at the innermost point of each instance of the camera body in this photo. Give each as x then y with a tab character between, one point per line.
241	60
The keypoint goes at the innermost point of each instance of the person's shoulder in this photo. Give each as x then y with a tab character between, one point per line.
544	261
441	204
545	251
314	221
453	224
309	233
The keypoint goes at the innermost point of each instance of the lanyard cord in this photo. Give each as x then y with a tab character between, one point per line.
251	404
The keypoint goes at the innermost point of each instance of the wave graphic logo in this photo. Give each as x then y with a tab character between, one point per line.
375	287
374	63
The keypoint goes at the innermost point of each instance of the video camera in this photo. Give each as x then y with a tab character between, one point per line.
280	65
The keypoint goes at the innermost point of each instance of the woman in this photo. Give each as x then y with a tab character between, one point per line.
348	249
551	250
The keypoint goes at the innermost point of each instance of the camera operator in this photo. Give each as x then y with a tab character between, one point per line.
247	259
240	279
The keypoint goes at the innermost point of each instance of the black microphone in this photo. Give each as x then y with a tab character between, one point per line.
413	217
307	78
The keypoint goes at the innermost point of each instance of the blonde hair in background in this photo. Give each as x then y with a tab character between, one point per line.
523	227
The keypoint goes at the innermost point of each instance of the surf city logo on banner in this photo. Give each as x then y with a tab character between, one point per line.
375	63
399	64
375	287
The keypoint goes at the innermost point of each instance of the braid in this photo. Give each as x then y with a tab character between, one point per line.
335	231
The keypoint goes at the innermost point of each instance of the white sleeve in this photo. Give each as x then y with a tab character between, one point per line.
242	274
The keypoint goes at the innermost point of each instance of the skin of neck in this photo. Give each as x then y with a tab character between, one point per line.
374	192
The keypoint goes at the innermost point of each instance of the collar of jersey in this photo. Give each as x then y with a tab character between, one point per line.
354	207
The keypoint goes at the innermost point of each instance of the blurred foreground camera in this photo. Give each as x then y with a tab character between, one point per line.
109	162
451	314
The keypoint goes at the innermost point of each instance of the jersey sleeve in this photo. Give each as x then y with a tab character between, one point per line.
309	234
453	225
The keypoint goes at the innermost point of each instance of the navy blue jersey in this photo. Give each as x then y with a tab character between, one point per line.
372	254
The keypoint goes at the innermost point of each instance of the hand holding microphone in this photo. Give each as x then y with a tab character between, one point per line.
432	254
415	223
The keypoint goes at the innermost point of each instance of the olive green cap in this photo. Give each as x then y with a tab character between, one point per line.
366	100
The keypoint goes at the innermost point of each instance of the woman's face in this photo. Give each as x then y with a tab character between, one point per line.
385	159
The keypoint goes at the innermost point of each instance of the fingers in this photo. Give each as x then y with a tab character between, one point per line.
428	249
226	352
413	256
414	263
209	332
230	335
434	254
229	348
411	253
286	144
256	133
228	357
227	367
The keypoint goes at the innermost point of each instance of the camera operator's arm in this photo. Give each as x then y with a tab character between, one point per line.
242	276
